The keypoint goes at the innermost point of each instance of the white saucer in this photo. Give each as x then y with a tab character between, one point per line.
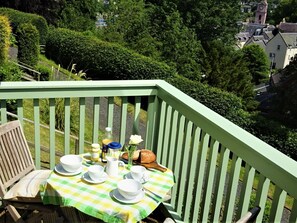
116	194
59	169
87	178
143	180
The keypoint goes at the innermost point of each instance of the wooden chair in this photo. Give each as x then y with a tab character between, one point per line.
250	216
19	180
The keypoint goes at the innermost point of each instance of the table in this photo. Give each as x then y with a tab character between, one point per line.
97	200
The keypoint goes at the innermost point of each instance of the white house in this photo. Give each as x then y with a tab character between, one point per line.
281	49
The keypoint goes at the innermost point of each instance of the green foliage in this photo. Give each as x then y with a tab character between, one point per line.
266	209
224	103
226	69
257	62
17	18
275	134
286	99
28	44
72	18
286	9
10	72
60	114
211	20
45	72
156	31
101	60
5	33
179	47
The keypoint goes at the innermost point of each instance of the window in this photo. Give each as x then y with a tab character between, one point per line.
278	47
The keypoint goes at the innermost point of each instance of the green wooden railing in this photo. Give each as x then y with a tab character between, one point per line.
219	168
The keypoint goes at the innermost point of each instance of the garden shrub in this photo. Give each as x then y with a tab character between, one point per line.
60	114
229	106
10	72
275	134
101	60
45	72
17	18
5	32
226	104
28	44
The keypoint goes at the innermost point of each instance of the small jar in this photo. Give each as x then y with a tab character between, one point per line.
95	152
114	150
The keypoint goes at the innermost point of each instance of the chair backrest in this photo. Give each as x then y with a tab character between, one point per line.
15	157
250	216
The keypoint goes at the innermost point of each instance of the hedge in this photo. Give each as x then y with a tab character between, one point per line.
229	106
101	60
28	44
224	103
18	17
5	32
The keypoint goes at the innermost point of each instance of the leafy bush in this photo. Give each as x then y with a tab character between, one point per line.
45	71
60	114
266	209
5	32
101	60
275	134
10	72
28	44
18	17
226	104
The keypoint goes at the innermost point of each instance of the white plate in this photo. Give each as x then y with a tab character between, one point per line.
116	194
87	178
59	169
143	180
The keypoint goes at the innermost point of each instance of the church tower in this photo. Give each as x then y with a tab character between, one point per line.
261	12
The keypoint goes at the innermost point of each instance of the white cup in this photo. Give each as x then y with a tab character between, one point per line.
95	172
138	172
112	166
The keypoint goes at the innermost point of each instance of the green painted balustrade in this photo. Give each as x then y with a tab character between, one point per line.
220	169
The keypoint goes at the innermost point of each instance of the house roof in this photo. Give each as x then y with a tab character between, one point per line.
259	40
288	27
242	36
268	35
290	39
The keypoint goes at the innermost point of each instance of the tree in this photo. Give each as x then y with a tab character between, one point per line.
79	15
156	31
287	9
211	19
286	99
257	62
180	47
49	9
226	69
73	14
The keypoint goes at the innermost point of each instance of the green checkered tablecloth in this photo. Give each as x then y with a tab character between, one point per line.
97	200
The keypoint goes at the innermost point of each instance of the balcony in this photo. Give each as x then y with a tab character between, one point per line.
220	169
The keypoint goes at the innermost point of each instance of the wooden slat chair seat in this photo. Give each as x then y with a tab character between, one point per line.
19	180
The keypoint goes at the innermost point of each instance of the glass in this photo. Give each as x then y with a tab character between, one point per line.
114	150
130	150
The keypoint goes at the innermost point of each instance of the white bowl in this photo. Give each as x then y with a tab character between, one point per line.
129	188
71	163
95	172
